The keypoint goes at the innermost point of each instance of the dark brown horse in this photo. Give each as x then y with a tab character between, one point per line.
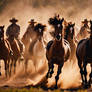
70	37
58	50
5	51
84	56
33	41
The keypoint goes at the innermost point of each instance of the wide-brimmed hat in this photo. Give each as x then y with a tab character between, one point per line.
13	20
85	21
32	21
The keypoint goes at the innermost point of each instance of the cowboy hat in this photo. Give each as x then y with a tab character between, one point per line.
32	21
85	21
13	20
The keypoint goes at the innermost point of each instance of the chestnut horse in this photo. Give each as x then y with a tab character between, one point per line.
84	56
33	41
70	37
58	50
5	51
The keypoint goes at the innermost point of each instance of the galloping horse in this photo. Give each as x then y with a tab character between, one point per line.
16	52
58	50
84	56
33	41
5	51
83	33
69	36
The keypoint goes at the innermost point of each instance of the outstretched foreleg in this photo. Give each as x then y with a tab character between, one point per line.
57	76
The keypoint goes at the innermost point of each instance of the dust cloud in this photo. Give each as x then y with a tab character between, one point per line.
41	11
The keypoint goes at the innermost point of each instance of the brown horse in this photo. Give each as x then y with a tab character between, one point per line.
84	56
33	41
83	33
16	52
58	50
5	51
70	37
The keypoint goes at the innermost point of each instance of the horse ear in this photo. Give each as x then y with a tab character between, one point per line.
62	19
58	15
73	24
91	21
3	26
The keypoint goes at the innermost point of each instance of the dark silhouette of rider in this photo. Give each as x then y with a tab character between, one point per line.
84	25
14	30
31	25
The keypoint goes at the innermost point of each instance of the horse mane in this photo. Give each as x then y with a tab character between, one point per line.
39	26
55	20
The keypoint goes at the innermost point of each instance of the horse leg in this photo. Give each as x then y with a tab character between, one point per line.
52	70
85	73
5	62
8	66
11	66
0	68
81	71
15	66
57	76
9	60
90	80
26	65
49	68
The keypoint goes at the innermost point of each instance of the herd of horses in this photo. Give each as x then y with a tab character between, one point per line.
63	47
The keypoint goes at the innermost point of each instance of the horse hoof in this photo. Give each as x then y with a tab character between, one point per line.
56	87
86	86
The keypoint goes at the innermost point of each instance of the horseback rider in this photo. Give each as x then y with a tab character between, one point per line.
14	30
84	25
31	24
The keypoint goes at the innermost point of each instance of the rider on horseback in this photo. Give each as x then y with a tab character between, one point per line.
84	25
14	30
31	23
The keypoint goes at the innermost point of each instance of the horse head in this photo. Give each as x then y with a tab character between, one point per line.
70	29
1	32
40	28
56	22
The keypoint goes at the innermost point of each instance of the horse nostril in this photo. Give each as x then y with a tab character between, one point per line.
58	37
